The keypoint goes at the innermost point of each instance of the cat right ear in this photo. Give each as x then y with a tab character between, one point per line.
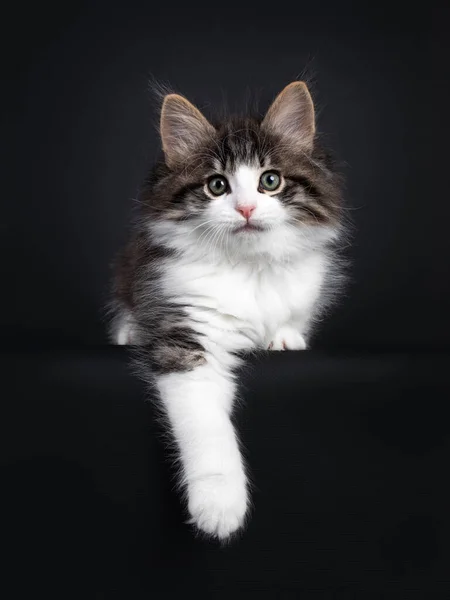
183	129
291	116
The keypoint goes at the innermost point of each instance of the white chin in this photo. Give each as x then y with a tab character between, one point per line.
249	229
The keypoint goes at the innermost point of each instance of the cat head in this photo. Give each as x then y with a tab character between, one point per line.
245	185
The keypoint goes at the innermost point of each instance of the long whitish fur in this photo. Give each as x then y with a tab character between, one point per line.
195	290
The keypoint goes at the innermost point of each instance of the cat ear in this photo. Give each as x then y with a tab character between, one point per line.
291	116
183	129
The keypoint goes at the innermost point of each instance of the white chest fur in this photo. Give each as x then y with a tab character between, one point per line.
242	306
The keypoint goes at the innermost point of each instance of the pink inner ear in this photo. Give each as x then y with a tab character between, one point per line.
291	116
183	129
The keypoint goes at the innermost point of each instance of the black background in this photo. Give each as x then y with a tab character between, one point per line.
348	444
83	136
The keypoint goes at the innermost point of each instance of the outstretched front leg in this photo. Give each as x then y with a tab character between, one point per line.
287	337
198	404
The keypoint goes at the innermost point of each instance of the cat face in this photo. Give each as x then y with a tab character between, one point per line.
244	198
244	185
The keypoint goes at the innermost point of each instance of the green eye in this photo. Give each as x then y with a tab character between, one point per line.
217	185
270	181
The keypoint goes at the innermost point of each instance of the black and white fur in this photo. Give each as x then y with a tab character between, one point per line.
206	278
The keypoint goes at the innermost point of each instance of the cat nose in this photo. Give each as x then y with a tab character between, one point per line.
246	211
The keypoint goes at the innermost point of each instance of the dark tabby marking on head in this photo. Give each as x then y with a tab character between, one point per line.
313	186
194	150
268	198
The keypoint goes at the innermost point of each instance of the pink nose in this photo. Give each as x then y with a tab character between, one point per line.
246	211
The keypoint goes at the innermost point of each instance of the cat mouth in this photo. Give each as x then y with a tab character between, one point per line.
250	227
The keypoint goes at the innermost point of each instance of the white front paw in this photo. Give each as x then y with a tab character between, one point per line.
218	503
287	338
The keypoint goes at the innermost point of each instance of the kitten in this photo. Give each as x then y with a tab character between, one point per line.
234	251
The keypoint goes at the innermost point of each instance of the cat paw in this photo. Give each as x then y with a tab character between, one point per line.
217	504
287	338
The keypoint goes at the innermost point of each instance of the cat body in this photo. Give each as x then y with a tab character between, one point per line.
234	251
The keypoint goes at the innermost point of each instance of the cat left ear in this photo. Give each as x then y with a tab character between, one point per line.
291	116
183	129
